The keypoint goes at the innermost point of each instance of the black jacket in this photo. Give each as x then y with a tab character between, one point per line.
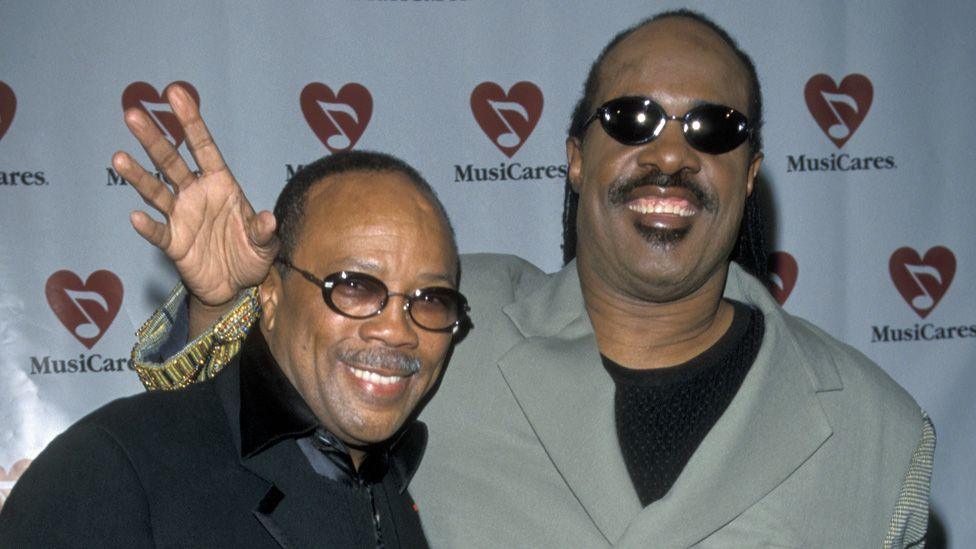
167	469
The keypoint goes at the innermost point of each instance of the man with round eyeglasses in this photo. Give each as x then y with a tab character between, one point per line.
307	438
651	393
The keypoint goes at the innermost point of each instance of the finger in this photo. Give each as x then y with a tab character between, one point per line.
161	152
152	190
198	138
261	231
150	229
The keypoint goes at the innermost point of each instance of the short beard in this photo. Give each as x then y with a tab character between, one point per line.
661	238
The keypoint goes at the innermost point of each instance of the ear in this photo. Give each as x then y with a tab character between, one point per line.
574	158
269	295
753	172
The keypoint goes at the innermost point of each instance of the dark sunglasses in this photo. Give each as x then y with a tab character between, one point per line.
712	129
359	295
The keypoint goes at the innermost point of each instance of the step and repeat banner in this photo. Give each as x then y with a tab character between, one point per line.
869	135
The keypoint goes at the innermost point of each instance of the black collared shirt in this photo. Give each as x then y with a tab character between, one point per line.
273	412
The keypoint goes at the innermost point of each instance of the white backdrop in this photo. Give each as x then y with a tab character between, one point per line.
870	125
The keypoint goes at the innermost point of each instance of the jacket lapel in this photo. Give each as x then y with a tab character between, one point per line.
567	396
279	482
772	426
290	508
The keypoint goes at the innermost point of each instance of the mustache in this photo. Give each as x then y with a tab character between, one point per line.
617	194
381	358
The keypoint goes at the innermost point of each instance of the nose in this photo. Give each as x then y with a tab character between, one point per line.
392	326
670	152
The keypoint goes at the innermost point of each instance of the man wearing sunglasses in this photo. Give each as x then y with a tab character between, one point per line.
307	439
651	393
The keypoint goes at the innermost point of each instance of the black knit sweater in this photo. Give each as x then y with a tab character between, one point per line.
663	414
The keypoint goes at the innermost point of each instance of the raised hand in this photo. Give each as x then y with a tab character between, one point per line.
211	232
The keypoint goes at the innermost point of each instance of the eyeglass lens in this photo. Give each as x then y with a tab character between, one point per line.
712	129
359	295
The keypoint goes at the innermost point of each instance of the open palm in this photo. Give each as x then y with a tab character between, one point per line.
211	232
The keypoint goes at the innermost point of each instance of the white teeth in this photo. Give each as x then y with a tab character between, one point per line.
373	377
662	208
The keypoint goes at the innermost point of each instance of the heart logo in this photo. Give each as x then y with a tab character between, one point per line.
338	120
143	96
922	281
8	479
839	110
87	308
8	106
507	119
783	272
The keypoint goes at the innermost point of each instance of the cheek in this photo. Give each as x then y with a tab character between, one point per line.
433	351
604	162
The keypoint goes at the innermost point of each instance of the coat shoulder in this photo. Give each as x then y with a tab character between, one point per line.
159	415
859	376
501	278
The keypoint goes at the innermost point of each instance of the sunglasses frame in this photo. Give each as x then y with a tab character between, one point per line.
327	284
605	114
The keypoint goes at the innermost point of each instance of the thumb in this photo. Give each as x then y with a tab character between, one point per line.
261	232
153	231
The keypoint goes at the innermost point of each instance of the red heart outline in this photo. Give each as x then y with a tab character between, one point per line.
16	470
8	106
830	107
94	304
336	127
783	271
502	122
137	94
922	281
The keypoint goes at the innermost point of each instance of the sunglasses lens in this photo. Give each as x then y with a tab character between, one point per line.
715	129
632	120
436	308
354	294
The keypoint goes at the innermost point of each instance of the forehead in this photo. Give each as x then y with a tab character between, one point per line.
375	217
678	59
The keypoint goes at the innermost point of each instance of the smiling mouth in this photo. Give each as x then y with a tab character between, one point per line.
663	221
662	206
375	378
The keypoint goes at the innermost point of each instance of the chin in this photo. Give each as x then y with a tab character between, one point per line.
664	239
377	432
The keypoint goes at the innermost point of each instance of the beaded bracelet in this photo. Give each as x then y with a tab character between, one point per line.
205	356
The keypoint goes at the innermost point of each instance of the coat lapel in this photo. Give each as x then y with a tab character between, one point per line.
278	481
772	426
291	508
567	396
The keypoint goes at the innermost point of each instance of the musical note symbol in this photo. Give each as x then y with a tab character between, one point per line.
88	329
840	129
340	141
510	138
151	109
925	300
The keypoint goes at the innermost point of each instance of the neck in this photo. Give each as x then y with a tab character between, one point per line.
356	456
644	334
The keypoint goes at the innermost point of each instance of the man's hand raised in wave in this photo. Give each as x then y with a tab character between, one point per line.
218	243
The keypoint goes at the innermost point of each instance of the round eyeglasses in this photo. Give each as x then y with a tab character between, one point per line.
359	295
